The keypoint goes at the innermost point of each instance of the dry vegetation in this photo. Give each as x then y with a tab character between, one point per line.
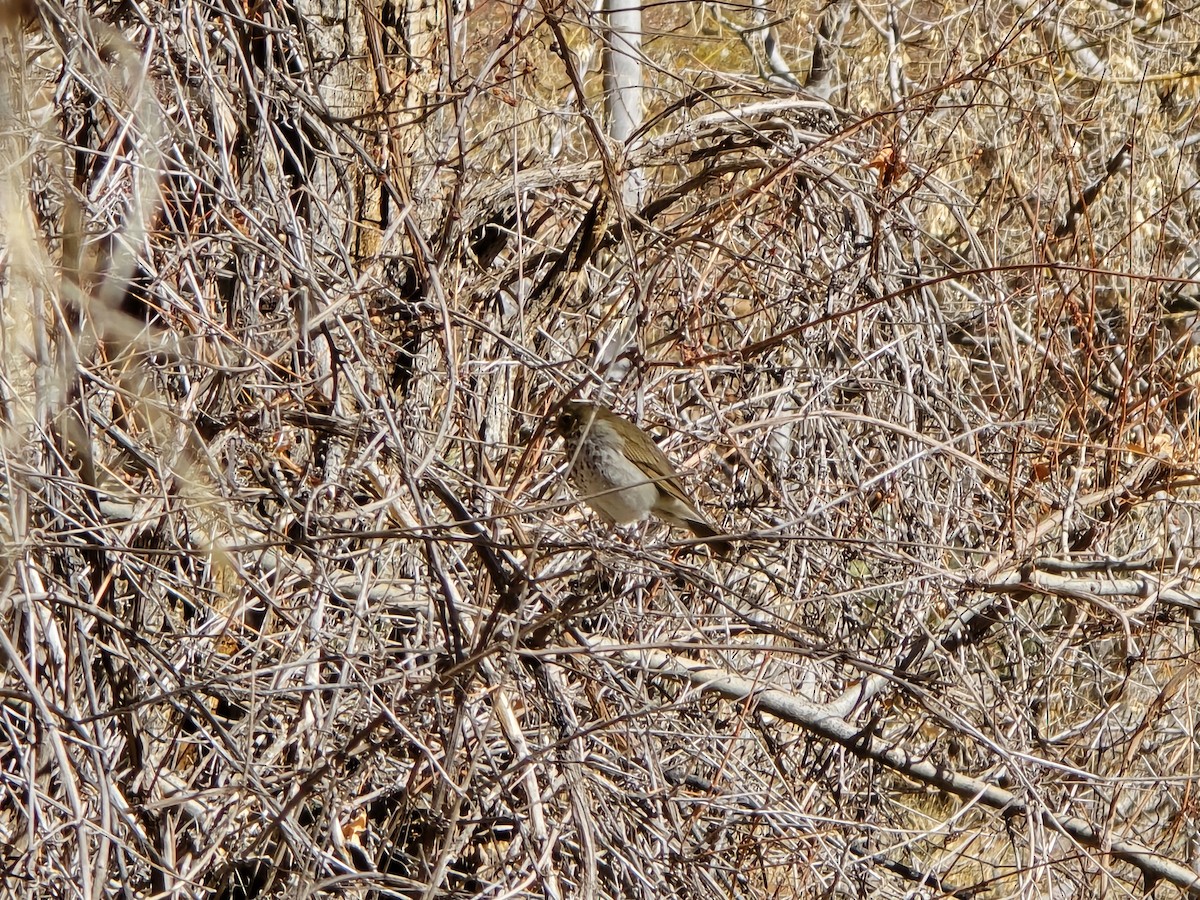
294	600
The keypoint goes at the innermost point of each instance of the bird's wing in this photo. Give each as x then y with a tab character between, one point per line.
647	457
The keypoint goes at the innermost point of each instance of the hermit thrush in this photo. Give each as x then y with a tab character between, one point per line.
622	475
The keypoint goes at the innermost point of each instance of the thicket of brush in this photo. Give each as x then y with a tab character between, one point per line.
294	600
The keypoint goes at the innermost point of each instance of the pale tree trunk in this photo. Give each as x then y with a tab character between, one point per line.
623	85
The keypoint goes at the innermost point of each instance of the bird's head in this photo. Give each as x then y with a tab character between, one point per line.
577	415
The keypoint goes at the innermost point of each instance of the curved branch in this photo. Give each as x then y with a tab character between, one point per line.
819	720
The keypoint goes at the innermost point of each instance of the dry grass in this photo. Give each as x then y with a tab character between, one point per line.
293	598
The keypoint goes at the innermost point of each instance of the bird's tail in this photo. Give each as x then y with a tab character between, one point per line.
702	528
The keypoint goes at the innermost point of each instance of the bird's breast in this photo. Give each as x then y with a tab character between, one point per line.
612	485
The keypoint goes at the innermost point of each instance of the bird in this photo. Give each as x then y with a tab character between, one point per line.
623	475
